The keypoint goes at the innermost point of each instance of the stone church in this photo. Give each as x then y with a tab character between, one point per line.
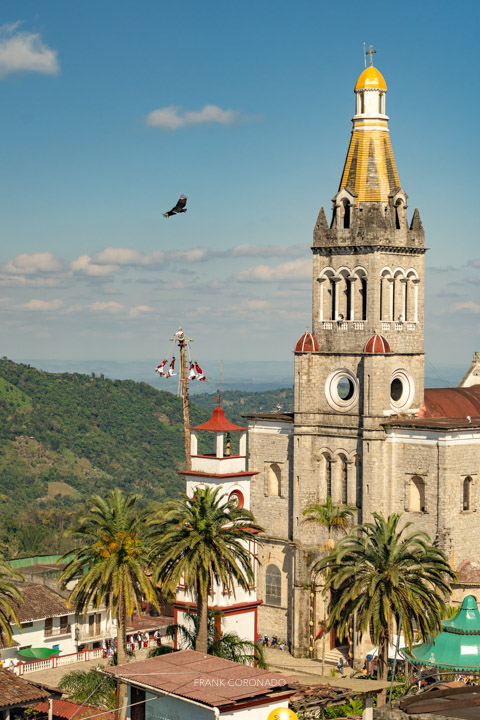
364	431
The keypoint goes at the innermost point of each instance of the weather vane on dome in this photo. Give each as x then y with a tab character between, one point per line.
370	52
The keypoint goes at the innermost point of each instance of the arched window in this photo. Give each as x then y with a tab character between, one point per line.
328	475
417	495
346	214
273	585
333	300
274	477
467	493
381	103
344	480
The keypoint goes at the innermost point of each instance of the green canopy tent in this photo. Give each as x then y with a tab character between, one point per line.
38	653
457	647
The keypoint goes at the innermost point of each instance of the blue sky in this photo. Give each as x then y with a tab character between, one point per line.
112	109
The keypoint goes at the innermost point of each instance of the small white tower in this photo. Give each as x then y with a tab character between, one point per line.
221	468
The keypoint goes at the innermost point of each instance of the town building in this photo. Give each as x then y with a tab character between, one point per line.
47	624
363	431
188	684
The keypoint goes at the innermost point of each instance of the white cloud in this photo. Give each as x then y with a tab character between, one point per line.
468	305
22	51
42	305
85	266
198	254
139	309
126	256
110	306
171	117
26	264
288	271
255	305
22	281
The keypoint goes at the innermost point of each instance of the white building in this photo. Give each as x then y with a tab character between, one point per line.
47	623
221	468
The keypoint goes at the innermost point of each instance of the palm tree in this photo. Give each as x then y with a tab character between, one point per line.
331	516
10	596
226	645
385	577
111	565
202	540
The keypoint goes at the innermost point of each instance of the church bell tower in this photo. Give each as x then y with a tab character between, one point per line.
364	359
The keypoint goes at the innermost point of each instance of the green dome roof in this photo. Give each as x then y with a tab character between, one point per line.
458	646
466	621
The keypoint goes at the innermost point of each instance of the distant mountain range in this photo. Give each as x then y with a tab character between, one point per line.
248	376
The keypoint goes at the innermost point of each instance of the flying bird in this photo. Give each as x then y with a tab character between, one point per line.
179	207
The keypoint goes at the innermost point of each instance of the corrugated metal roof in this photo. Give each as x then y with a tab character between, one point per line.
204	678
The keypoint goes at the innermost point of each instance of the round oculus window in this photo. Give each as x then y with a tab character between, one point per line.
341	390
236	498
402	390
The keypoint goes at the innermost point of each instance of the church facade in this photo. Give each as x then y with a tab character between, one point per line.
364	431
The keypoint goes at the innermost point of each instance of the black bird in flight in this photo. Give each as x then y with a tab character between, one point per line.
179	207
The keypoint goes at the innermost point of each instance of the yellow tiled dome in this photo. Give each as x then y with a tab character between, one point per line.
371	79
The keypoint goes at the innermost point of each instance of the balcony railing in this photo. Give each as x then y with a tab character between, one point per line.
58	631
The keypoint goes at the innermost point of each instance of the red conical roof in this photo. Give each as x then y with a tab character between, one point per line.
307	343
218	423
377	344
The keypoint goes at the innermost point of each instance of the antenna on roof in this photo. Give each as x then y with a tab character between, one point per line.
364	54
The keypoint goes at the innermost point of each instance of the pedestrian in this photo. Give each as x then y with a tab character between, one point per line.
146	639
139	640
158	637
340	665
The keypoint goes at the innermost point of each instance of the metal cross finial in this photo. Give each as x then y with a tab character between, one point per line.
370	52
476	357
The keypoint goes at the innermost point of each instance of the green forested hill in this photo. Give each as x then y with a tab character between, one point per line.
66	436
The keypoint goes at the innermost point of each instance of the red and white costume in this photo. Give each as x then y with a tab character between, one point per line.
200	375
171	368
191	372
160	368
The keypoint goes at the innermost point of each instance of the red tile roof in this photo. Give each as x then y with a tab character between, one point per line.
218	423
67	710
206	679
17	691
307	343
377	344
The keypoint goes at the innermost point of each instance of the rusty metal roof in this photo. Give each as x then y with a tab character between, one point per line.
18	691
455	402
205	679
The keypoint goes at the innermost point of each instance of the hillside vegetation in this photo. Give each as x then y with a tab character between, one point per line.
65	436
